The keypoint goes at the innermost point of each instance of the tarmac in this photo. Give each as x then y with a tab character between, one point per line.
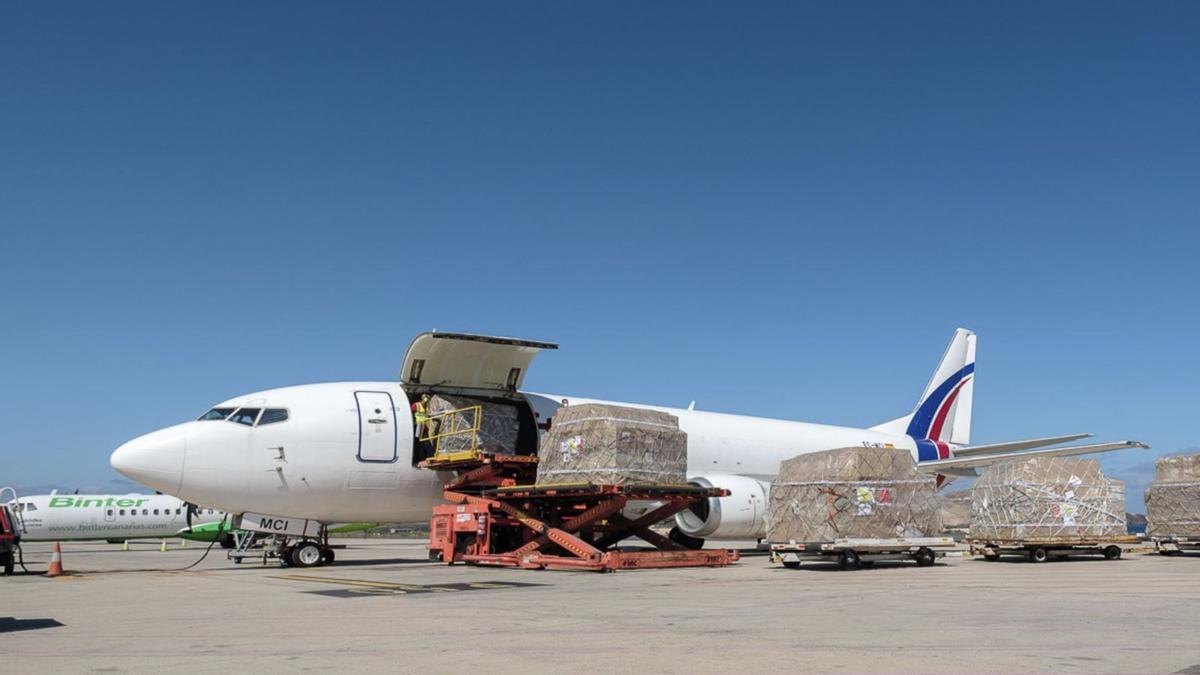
384	606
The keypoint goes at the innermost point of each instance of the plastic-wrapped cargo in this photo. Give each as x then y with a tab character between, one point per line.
1173	498
875	493
612	445
1047	498
498	424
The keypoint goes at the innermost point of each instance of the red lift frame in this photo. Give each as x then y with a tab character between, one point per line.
494	520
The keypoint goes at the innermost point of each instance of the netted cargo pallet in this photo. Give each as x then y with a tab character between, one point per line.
852	492
612	445
1173	498
1048	499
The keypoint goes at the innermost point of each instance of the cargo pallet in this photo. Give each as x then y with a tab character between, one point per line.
495	518
1172	545
852	553
1041	550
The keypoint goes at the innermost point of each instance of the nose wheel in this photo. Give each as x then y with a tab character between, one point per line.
306	554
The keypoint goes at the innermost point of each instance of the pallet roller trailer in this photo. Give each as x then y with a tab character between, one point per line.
1172	545
852	553
1041	550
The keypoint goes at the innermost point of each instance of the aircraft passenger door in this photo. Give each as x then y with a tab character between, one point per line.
378	435
110	513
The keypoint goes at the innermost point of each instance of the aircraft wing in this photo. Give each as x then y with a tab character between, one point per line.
996	448
959	465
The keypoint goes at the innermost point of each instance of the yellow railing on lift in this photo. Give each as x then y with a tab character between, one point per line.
454	424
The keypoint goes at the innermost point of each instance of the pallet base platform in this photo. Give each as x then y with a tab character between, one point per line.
1176	545
851	553
1041	550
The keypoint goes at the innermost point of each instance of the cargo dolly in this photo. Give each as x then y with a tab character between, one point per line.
497	518
1042	549
1172	545
852	553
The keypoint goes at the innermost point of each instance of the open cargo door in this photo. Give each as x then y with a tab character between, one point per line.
470	362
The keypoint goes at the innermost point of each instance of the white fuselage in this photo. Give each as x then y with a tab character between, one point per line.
131	516
319	464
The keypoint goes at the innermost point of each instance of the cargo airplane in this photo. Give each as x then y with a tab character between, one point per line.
347	451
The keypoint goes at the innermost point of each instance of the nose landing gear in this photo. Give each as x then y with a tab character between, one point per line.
289	551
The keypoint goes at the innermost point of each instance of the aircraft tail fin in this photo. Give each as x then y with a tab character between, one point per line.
943	413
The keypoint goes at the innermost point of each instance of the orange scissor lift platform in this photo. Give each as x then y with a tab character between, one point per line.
497	517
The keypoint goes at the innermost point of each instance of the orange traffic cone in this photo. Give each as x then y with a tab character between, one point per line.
56	567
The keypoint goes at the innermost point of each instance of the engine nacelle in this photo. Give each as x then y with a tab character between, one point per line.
741	515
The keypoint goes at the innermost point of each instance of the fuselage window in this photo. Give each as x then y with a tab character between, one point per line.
133	512
216	414
156	512
245	416
145	512
109	512
273	415
122	512
176	511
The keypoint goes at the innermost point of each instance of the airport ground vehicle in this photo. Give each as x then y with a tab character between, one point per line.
852	553
1041	550
10	539
1172	545
497	518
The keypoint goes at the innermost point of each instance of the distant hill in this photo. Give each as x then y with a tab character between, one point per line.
115	486
1135	523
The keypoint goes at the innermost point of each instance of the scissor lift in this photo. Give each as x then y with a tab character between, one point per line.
497	517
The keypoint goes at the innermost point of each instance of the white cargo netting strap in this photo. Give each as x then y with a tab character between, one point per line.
615	420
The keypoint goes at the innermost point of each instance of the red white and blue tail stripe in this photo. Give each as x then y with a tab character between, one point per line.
942	418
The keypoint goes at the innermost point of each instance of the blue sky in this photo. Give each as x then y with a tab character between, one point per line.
782	210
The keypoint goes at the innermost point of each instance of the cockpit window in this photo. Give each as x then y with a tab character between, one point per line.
245	416
216	414
273	415
30	506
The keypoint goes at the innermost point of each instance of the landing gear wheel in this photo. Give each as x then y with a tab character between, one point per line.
305	554
1038	554
227	541
792	564
925	557
692	543
849	560
327	556
991	556
1112	553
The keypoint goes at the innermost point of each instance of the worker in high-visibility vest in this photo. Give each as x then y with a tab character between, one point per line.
420	410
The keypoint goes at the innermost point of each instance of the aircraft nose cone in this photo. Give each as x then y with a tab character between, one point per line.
154	460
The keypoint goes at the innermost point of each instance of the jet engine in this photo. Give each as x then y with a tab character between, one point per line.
741	515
